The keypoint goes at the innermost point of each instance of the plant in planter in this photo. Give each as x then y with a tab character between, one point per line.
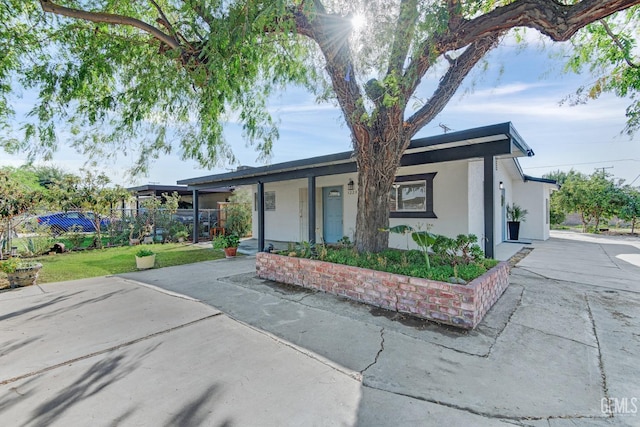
181	235
20	273
515	215
145	259
227	242
424	239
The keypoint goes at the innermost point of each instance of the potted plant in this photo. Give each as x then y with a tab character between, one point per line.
20	273
515	215
145	259
227	242
181	235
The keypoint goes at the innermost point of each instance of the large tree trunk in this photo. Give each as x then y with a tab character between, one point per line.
378	161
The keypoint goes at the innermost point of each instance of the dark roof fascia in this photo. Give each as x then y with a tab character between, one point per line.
313	162
328	169
506	129
543	180
494	148
345	162
475	133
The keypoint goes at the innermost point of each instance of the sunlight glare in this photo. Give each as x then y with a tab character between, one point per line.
358	21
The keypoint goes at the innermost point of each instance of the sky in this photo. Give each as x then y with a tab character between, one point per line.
524	86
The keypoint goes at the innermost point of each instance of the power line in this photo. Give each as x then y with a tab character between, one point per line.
585	163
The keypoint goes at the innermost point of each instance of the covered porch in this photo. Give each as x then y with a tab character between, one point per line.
486	143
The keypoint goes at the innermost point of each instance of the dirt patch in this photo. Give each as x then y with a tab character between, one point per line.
519	256
417	323
250	280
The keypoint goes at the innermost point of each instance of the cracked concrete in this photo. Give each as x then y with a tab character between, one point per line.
538	357
564	336
377	354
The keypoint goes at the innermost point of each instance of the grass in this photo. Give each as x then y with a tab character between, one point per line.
102	262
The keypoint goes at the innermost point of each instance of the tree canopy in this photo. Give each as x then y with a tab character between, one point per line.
137	76
594	197
608	48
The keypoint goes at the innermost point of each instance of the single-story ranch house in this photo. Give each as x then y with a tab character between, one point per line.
458	182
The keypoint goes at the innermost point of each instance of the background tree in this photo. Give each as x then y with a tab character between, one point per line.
174	70
90	193
630	209
594	197
238	212
557	215
18	195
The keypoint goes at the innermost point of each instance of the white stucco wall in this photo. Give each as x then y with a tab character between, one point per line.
450	202
458	202
450	197
534	197
289	222
475	198
503	174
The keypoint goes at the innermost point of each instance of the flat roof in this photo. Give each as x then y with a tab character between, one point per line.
180	189
499	139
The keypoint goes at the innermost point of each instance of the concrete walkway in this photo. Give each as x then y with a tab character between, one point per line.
561	348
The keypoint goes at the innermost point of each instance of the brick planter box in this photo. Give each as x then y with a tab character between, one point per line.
463	306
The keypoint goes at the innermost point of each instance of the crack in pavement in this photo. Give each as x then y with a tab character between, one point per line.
605	388
380	350
106	350
288	298
484	414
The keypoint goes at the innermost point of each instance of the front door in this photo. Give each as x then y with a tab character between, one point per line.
332	214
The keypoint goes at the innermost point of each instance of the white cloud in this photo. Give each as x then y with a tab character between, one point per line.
509	89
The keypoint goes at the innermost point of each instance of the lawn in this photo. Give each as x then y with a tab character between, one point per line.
102	262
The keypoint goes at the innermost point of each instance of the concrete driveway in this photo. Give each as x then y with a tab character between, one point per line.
110	351
561	348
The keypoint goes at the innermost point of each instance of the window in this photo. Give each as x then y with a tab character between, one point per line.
412	196
409	196
269	201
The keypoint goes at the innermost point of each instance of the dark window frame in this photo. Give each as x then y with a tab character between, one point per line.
428	212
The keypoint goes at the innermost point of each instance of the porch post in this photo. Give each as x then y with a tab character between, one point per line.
260	209
489	191
311	193
196	214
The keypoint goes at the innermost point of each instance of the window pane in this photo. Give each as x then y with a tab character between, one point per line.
410	196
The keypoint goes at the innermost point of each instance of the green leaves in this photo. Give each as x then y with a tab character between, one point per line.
608	49
424	239
117	89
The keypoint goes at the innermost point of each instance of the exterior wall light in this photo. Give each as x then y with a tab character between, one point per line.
501	186
350	185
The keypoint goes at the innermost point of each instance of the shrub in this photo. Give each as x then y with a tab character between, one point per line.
142	252
408	263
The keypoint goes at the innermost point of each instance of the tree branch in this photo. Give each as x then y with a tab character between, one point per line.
556	20
331	33
403	35
163	19
109	18
617	42
450	82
